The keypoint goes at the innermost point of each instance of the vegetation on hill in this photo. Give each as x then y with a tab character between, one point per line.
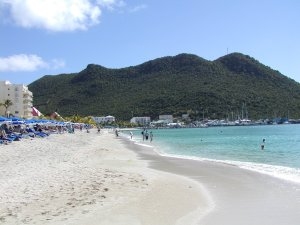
232	86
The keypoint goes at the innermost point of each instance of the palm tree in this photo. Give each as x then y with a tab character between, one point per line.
1	104
6	104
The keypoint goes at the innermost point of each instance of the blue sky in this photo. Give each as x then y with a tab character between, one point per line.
49	37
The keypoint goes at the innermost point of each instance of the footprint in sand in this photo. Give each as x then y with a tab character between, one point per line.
56	214
85	211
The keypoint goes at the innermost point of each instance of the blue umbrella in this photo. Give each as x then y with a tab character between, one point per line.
30	121
17	122
4	119
15	118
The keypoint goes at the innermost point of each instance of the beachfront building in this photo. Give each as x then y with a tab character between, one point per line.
163	121
166	118
185	116
20	97
141	120
104	119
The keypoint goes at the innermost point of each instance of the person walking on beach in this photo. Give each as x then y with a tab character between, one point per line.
131	135
151	136
143	133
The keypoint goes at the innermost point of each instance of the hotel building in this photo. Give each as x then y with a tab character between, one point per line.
20	97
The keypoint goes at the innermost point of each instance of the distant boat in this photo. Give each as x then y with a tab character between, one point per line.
243	122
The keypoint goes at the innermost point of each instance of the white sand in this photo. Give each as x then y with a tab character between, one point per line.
90	178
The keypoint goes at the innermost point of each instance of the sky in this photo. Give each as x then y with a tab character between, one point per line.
50	37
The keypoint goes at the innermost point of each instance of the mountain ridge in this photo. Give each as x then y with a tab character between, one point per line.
185	83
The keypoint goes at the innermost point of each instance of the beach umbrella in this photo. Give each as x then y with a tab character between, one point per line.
4	119
16	120
43	121
35	121
30	121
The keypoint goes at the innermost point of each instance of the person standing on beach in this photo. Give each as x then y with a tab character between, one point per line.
143	133
151	136
131	135
146	135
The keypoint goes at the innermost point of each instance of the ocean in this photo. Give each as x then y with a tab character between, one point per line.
234	145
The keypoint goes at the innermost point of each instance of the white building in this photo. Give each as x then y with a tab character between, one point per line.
20	97
185	116
141	120
104	119
166	118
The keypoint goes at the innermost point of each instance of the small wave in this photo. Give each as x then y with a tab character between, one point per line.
144	145
281	172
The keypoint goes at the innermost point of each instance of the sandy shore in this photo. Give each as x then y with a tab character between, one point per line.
99	179
90	178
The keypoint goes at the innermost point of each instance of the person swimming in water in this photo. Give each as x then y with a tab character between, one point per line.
262	146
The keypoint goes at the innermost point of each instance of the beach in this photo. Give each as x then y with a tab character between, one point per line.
91	178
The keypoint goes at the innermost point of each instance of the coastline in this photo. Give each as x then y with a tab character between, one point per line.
241	196
91	178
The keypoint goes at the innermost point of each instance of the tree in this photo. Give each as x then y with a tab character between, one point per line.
172	85
6	104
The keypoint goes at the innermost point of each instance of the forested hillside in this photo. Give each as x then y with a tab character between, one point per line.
223	88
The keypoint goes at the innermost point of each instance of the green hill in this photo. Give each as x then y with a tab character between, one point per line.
222	88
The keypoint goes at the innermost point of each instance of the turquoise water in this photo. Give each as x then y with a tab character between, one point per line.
237	145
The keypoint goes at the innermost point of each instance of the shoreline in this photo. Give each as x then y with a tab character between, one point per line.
241	196
264	169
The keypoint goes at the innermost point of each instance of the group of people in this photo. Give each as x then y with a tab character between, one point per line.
9	133
147	135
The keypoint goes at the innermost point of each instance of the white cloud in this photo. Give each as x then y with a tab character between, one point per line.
57	15
111	4
138	8
57	63
27	63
